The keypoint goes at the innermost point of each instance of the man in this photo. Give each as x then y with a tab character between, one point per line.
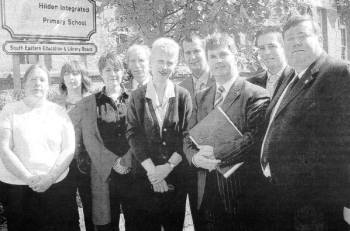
193	49
194	55
137	58
271	52
222	202
307	143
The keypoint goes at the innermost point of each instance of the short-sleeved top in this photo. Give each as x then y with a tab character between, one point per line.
37	137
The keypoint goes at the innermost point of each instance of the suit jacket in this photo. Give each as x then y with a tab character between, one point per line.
261	79
102	160
308	143
245	104
189	86
145	140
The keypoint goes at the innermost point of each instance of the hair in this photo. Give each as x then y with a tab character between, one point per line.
167	45
135	47
217	40
191	38
296	20
271	30
32	68
72	67
112	58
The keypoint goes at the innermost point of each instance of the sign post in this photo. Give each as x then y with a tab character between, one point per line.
47	19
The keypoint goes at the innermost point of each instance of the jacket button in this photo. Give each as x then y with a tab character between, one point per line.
164	143
119	134
165	129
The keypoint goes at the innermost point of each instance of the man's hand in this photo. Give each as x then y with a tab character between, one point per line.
205	158
120	168
44	183
160	187
346	212
160	173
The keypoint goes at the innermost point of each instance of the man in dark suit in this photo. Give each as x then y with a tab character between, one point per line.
222	202
271	52
193	49
305	151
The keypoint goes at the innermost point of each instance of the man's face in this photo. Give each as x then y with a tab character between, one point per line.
302	46
271	51
222	63
163	65
194	55
138	64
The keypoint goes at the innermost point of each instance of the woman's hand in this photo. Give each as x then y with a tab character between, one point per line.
33	180
45	182
159	174
120	168
160	187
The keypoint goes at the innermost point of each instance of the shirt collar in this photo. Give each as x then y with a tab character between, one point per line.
279	73
135	84
151	92
103	92
300	74
203	78
227	85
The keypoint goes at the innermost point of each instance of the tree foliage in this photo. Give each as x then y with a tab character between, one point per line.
343	8
151	19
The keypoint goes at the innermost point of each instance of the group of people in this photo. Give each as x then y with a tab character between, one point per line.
127	148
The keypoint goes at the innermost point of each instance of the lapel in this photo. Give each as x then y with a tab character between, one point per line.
233	94
211	80
306	80
207	101
262	80
92	113
172	109
286	77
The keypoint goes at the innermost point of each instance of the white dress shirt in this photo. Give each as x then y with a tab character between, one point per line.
201	82
135	84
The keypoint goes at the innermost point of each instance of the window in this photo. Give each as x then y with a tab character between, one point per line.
28	59
343	41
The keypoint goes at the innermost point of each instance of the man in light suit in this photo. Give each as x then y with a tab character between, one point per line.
193	49
223	203
271	52
306	148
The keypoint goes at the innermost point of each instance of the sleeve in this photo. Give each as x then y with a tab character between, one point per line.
6	117
237	150
135	133
189	147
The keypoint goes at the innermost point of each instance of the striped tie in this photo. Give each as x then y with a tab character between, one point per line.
140	85
218	97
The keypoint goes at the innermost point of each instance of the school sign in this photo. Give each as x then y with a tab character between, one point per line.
49	19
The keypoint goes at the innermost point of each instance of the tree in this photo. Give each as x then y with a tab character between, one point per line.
151	19
343	8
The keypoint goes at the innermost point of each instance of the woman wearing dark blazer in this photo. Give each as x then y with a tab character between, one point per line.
157	116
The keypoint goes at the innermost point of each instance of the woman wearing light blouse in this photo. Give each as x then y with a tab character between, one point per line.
36	148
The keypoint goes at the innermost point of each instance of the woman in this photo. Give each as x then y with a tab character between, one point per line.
36	148
75	84
157	116
102	120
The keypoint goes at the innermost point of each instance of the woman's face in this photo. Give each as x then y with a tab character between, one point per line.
72	80
37	84
139	64
111	75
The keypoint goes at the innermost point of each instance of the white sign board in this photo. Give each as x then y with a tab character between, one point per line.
48	48
52	19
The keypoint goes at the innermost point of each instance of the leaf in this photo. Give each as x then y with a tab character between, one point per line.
231	2
243	12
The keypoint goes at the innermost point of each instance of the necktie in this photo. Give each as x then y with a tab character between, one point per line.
140	85
271	84
219	97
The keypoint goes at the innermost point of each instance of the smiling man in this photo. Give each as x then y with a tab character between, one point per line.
224	204
305	151
271	53
193	48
